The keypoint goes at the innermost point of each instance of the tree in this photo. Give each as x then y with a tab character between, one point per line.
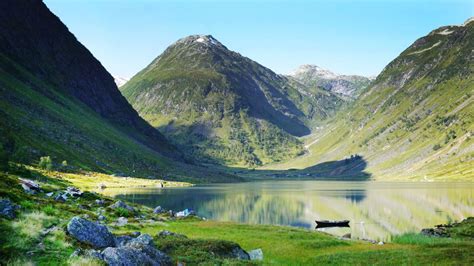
46	163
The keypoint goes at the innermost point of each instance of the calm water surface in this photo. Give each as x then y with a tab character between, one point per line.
377	210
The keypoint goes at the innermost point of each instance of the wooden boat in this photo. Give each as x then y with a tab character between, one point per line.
325	223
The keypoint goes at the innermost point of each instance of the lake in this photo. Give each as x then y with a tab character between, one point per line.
376	210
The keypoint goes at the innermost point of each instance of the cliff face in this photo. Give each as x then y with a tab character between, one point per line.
54	89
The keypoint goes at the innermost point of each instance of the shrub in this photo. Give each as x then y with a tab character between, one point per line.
436	147
49	210
122	212
46	163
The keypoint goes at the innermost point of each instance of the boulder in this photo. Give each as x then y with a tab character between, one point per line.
99	202
256	254
101	218
7	209
239	253
61	197
144	239
29	186
121	221
135	251
123	205
121	241
158	210
131	256
74	192
184	213
93	234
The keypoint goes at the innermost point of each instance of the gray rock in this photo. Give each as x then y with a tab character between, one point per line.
166	233
256	254
135	234
158	210
92	253
99	202
50	194
29	186
131	256
96	235
135	251
101	218
61	197
74	192
144	239
121	221
381	243
7	209
240	254
121	241
123	205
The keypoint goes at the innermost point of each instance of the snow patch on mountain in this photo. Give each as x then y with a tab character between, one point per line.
119	81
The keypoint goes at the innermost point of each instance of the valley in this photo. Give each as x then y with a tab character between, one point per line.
208	157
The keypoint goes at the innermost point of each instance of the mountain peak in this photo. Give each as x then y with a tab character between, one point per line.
314	70
199	38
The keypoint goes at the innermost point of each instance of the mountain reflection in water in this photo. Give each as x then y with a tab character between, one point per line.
376	210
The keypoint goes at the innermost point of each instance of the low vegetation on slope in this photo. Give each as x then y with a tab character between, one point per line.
416	120
57	100
221	107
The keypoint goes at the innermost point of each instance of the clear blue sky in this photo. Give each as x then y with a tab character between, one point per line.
348	37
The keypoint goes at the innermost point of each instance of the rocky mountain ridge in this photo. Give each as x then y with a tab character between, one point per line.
347	85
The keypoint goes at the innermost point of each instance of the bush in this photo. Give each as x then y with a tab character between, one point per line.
49	210
46	163
436	147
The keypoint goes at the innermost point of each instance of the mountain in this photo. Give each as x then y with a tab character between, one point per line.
57	100
119	81
347	85
416	120
222	107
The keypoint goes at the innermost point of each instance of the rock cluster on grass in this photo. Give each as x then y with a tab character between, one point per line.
123	205
7	209
121	250
438	231
29	186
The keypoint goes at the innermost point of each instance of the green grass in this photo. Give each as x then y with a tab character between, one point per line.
208	241
290	246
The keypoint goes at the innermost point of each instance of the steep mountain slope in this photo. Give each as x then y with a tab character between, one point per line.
416	120
347	85
222	107
56	99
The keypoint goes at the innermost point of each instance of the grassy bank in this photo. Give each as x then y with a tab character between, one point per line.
28	240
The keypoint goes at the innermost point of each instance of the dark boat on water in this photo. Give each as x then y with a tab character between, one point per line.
325	223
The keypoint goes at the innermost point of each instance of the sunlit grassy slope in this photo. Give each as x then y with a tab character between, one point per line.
223	108
416	121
